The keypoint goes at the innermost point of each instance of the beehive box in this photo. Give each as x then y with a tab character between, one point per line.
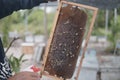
27	48
66	38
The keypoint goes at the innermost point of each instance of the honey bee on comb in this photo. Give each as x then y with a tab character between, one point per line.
66	42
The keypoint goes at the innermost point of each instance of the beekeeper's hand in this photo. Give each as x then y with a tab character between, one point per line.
25	76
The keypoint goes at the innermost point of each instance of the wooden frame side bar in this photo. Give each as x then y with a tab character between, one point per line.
50	38
86	43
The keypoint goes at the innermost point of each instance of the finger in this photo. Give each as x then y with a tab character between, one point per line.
33	74
31	79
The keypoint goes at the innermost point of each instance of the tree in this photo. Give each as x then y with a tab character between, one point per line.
5	29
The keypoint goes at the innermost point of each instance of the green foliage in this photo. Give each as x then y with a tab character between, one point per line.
113	28
16	62
98	31
36	24
16	22
5	29
100	20
114	34
99	26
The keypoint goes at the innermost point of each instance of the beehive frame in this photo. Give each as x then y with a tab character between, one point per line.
53	30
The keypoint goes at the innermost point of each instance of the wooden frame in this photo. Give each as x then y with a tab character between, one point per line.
52	33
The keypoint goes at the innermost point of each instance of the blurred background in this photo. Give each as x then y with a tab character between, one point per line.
32	28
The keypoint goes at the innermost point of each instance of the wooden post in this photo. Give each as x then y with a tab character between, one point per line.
98	76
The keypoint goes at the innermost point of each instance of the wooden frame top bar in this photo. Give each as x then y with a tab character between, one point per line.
80	5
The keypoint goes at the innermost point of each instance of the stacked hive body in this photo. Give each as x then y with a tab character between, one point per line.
66	42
